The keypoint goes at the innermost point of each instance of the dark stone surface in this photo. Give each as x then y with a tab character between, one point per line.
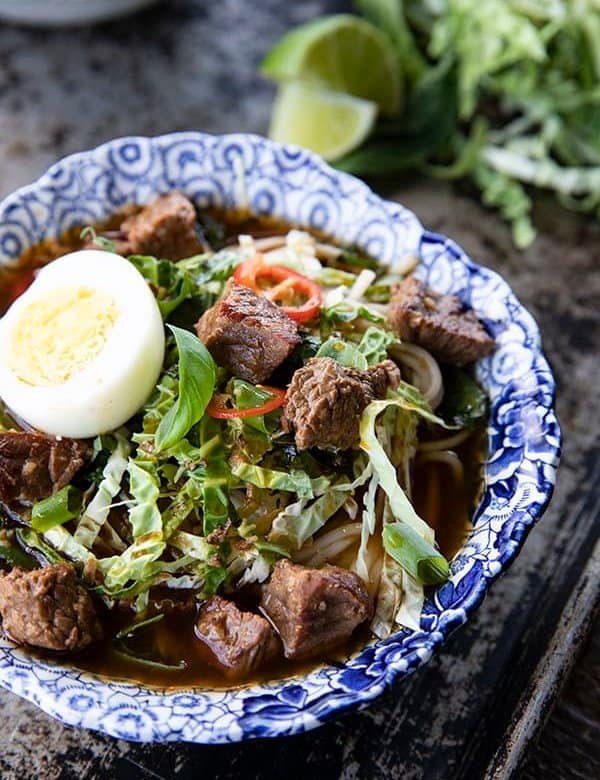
192	65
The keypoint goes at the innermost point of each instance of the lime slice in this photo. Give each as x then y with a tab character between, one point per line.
342	53
329	123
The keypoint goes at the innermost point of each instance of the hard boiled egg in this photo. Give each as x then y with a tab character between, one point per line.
82	347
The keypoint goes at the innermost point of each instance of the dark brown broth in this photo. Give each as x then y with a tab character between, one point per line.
173	639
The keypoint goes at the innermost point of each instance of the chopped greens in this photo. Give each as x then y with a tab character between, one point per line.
418	557
171	283
464	402
56	509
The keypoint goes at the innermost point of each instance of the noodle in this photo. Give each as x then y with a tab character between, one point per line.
323	251
424	371
445	444
448	458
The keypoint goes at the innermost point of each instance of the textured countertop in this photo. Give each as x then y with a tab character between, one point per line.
475	706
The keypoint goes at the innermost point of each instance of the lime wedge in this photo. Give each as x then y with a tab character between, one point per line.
329	123
343	53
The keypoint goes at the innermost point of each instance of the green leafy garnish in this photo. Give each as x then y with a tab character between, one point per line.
14	556
197	376
57	509
170	282
464	402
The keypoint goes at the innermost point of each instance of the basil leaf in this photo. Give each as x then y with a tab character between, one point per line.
420	558
197	376
56	509
464	401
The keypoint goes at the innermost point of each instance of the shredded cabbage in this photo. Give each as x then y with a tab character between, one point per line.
96	512
294	481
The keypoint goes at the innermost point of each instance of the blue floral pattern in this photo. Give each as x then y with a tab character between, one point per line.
524	438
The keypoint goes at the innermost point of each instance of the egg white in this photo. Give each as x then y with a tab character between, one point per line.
113	385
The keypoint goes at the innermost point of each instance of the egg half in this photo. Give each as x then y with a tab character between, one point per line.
81	349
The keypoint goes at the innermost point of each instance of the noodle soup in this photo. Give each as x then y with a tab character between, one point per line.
333	456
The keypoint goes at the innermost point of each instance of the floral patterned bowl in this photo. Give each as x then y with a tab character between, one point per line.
523	434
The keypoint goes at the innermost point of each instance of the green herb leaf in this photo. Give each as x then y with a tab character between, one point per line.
14	556
197	376
464	401
170	282
56	509
420	559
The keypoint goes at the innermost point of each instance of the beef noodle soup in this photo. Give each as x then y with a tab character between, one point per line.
229	448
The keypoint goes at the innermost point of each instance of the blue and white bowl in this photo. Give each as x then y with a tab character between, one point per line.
523	433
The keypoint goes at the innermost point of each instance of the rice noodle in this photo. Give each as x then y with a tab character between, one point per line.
423	370
447	458
268	243
447	443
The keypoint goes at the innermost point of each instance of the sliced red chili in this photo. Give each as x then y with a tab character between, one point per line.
219	409
297	295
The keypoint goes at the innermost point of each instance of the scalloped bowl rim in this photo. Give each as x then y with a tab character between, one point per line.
520	469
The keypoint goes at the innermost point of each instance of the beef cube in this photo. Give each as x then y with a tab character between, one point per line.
314	610
325	401
33	466
48	608
439	323
247	334
241	642
166	228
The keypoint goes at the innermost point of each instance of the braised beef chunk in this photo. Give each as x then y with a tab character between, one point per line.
48	608
314	609
247	334
438	323
166	228
241	642
33	466
325	401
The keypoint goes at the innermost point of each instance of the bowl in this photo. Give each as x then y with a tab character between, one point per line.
523	435
67	12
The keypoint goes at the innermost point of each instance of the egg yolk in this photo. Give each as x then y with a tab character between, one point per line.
55	338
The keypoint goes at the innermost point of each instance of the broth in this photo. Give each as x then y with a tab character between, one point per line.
173	638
